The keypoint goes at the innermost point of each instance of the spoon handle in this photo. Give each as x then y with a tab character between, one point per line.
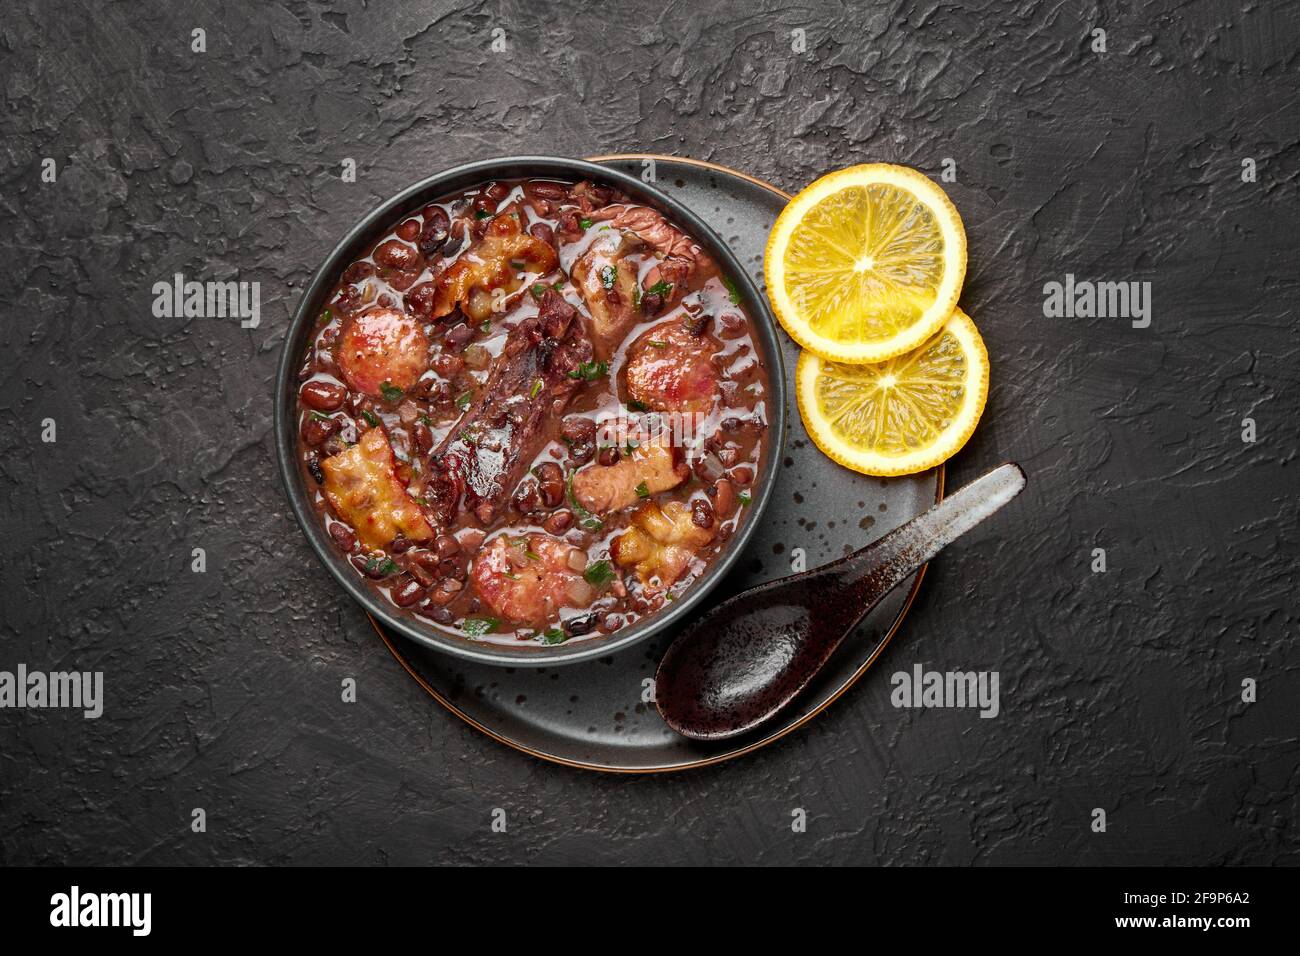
870	574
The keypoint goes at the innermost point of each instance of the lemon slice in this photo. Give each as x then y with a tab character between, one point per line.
866	263
899	416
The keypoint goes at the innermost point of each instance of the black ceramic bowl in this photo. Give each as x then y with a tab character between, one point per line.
378	221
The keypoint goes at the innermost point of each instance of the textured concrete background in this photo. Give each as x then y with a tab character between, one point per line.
1120	690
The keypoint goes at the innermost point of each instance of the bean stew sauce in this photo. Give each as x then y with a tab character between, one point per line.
532	411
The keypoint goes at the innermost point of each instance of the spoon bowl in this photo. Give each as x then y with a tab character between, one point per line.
746	658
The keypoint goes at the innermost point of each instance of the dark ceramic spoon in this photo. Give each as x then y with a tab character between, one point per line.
746	658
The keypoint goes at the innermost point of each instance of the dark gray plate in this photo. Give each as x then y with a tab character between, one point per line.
600	714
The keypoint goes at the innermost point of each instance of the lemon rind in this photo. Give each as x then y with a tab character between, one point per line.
951	227
922	459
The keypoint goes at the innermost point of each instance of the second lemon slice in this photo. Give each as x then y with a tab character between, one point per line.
899	416
866	263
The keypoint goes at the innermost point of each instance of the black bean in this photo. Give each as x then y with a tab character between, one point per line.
418	567
577	626
445	545
318	428
483	208
419	299
357	272
575	429
543	232
436	229
458	336
558	522
343	536
435	613
556	192
527	498
723	494
550	483
445	592
395	254
323	396
406	592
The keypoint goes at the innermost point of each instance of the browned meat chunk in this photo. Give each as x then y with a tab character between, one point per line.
670	368
489	265
684	265
589	196
482	459
363	488
529	578
607	282
660	543
653	466
382	346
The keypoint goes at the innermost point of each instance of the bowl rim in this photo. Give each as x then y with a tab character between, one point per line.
376	222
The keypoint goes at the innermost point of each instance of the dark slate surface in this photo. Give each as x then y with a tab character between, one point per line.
1120	690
